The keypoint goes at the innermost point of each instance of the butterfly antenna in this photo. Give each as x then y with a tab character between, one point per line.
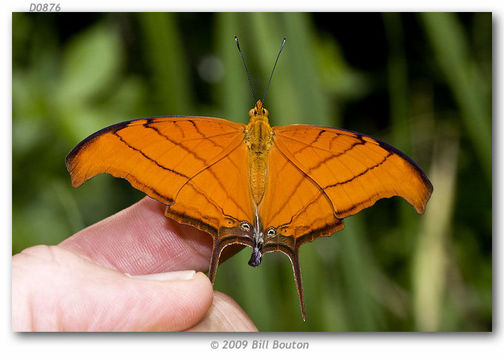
274	66
245	65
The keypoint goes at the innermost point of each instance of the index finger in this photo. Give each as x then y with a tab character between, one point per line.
141	240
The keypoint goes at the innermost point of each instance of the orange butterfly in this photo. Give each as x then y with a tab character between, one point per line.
269	188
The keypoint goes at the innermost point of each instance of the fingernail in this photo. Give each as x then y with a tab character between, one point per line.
173	275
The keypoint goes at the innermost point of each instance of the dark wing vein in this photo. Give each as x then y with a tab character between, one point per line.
148	157
369	168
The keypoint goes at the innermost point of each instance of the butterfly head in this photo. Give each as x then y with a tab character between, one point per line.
258	112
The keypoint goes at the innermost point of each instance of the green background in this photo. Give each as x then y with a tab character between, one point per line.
421	82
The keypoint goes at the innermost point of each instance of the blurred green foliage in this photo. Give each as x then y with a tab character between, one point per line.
422	82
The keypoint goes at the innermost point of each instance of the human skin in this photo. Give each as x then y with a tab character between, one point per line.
134	271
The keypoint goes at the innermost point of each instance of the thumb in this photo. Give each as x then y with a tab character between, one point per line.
56	290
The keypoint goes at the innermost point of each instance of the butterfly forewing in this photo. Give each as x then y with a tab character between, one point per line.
161	156
352	169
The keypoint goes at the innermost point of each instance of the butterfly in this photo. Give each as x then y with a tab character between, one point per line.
272	189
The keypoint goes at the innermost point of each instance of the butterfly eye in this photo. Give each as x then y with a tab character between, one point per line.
271	232
245	226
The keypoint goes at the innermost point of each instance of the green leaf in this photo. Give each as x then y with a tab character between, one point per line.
90	63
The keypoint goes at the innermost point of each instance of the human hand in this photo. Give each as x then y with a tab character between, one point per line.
82	284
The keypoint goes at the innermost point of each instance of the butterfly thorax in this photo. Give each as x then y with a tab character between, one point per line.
258	139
